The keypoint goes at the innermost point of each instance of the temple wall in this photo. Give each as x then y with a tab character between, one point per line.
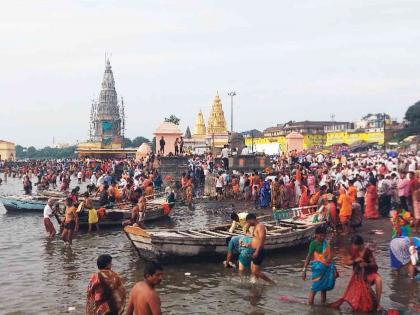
247	163
173	166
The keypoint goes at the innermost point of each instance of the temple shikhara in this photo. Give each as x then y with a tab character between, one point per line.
107	122
215	135
217	122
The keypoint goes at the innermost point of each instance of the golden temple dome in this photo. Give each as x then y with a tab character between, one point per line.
217	122
200	126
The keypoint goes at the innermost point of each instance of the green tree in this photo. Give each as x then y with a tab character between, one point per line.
172	119
20	152
138	141
127	143
31	152
45	153
153	146
412	115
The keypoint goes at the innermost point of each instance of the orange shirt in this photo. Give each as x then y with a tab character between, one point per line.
345	204
352	193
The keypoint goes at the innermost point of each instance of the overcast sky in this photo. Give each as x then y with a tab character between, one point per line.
286	60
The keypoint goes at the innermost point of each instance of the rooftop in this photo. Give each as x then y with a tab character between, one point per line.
168	128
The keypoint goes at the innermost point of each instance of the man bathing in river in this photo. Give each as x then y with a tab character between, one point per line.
71	222
48	214
257	244
144	299
238	220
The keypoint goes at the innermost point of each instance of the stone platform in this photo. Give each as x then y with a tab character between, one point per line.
174	166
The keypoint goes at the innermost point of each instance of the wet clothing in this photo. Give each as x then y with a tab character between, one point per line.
92	216
49	227
245	253
71	225
105	294
323	273
399	250
260	257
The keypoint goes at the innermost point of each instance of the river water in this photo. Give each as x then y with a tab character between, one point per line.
39	276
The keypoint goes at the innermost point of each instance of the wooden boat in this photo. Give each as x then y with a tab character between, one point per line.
167	244
23	204
117	215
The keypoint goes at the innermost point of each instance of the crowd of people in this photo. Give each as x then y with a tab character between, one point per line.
349	187
344	189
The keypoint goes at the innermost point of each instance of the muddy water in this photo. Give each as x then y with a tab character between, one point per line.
38	276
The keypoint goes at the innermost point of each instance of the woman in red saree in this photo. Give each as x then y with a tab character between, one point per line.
304	198
359	294
105	292
371	211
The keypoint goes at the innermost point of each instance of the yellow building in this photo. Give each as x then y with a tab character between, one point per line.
7	151
271	144
349	138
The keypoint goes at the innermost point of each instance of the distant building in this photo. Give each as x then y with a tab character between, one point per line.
308	126
274	131
253	133
343	126
318	134
7	151
373	121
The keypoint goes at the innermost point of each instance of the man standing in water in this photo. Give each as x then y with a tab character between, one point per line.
71	222
48	214
144	299
257	243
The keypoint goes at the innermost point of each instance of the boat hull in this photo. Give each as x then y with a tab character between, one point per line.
167	248
21	205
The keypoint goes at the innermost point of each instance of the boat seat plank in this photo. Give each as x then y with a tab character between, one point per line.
189	234
215	234
199	233
229	233
277	231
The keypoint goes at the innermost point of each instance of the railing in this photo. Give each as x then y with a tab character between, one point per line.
284	214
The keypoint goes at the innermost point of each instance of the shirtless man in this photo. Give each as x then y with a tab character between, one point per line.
142	209
71	222
257	243
144	299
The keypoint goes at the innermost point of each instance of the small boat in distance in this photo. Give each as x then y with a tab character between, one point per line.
114	217
23	203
